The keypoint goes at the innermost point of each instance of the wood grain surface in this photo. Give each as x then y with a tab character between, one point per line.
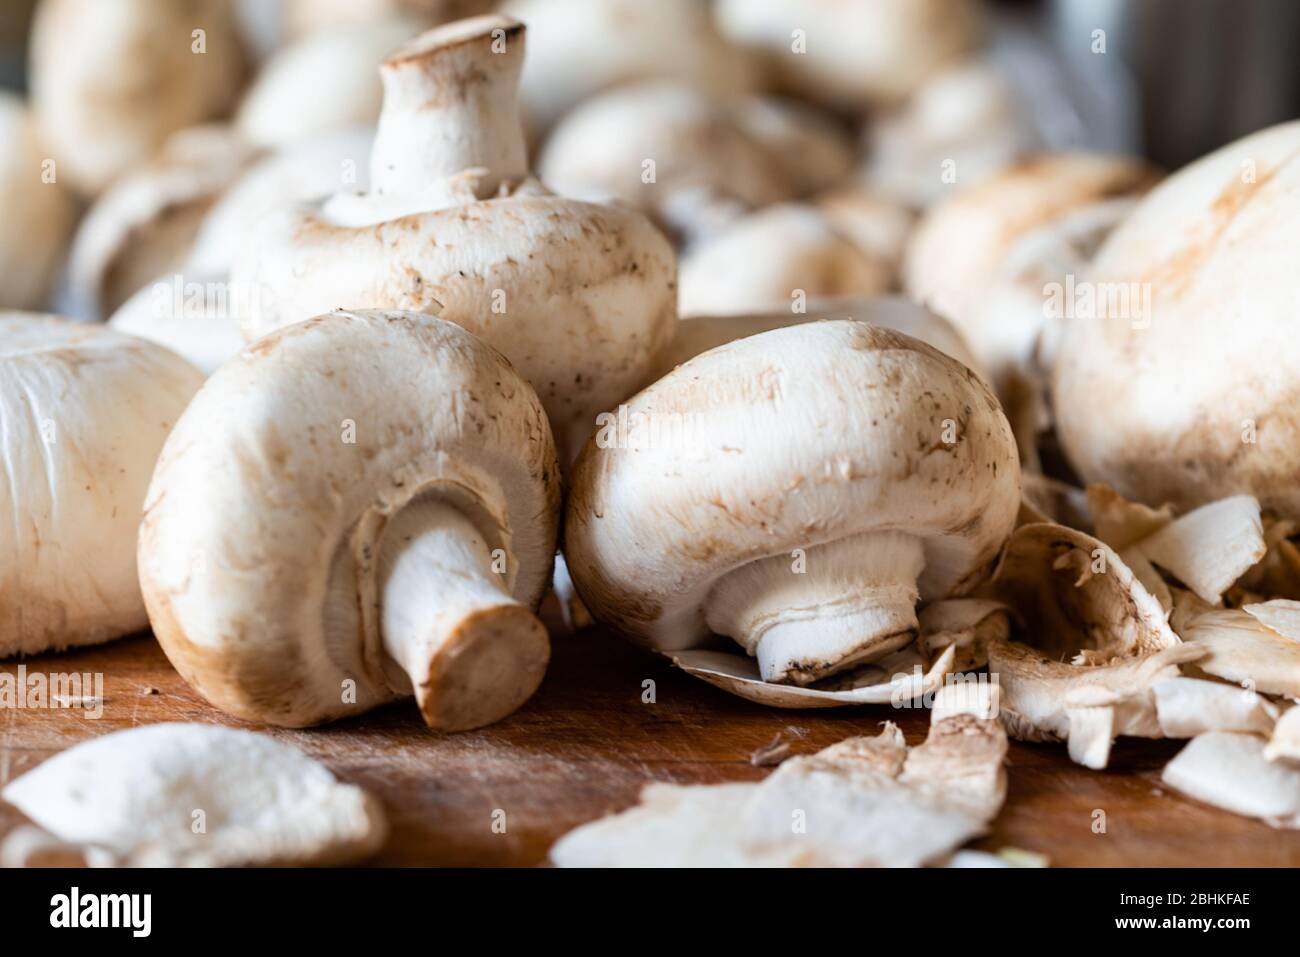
586	743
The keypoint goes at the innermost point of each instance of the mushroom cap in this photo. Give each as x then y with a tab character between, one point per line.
577	48
85	413
35	215
308	170
957	247
856	52
1157	401
326	81
696	141
765	259
194	318
264	521
968	115
135	793
581	298
305	16
753	151
788	439
144	224
112	78
697	334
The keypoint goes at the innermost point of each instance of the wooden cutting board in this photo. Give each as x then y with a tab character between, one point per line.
587	742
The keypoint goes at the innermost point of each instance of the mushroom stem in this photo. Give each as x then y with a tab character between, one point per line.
451	103
472	652
822	609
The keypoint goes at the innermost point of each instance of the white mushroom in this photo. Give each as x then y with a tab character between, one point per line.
1230	771
964	245
1191	350
862	213
196	312
963	124
797	491
324	82
302	17
857	52
194	795
356	508
864	802
689	160
143	225
35	211
111	79
780	256
578	48
581	298
85	413
697	334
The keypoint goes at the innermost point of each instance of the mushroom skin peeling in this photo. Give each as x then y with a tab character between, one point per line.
835	474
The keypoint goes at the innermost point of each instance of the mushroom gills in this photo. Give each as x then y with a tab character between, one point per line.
836	605
472	652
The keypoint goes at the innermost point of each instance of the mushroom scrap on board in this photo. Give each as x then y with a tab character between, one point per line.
426	362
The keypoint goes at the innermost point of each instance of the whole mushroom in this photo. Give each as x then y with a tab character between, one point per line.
689	160
580	297
324	82
798	491
964	123
698	334
1181	382
144	224
36	213
853	53
579	48
195	310
783	255
111	79
85	412
1031	223
357	508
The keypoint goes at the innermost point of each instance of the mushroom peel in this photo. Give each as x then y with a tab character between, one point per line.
85	412
1210	249
1231	771
581	298
36	213
778	256
111	79
137	793
1086	705
1076	595
868	801
797	490
383	518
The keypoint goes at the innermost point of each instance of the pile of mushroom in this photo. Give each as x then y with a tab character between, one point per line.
820	470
